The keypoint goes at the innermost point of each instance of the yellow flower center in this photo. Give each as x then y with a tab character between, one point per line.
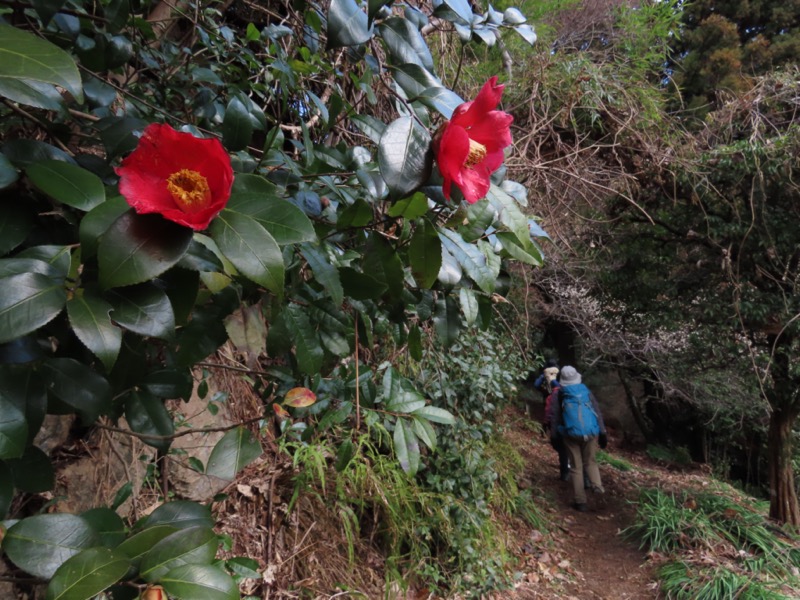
477	152
189	189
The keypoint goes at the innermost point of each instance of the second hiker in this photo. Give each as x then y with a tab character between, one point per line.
576	417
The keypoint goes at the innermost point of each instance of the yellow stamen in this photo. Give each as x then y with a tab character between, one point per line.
189	189
477	152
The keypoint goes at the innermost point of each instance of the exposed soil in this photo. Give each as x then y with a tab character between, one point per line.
584	556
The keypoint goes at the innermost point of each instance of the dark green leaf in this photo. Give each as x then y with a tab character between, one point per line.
16	266
13	429
523	251
360	286
404	156
137	248
237	449
15	225
8	174
406	447
412	207
87	574
59	257
32	93
200	258
195	545
324	271
23	56
40	545
470	258
370	126
509	212
68	184
425	254
169	383
6	489
78	386
347	24
241	566
414	79
24	388
88	316
457	11
192	582
251	249
147	415
436	415
97	222
382	262
118	134
256	197
237	129
24	152
405	43
440	99
415	343
116	12
180	513
139	544
144	309
308	351
358	214
447	321
374	7
469	305
425	432
28	301
108	525
33	472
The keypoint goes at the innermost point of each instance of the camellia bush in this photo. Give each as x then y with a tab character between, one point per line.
298	180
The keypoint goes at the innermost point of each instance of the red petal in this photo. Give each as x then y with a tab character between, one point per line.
475	183
493	130
486	100
453	152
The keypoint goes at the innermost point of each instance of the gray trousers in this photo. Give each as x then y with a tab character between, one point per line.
582	454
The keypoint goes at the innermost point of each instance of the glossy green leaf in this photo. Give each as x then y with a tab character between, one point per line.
8	174
68	184
179	513
414	79
447	321
6	490
23	56
324	271
32	472
139	544
169	383
527	33
237	129
256	197
358	214
344	455
144	309
32	93
404	401
195	545
412	207
147	415
118	134
404	156
78	386
108	525
58	257
406	447
16	266
469	304
192	582
237	449
470	258
97	221
382	262
13	429
88	316
305	340
405	43
27	302
370	126
137	248
440	99
16	223
436	415
40	545
361	286
86	574
458	11
347	24
24	388
425	432
425	254
251	249
415	342
523	251
509	212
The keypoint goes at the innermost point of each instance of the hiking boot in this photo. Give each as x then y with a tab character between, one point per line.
579	506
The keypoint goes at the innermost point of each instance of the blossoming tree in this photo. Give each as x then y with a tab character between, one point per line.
151	191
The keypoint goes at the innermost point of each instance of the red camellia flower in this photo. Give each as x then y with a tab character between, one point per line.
181	177
469	147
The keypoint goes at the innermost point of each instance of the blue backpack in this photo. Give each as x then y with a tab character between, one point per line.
578	418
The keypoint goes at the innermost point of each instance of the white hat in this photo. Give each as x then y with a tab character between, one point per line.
569	376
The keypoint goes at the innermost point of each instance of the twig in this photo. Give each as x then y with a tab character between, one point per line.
152	436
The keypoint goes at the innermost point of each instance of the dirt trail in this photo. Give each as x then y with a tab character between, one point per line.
583	557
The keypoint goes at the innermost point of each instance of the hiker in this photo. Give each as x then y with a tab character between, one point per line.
557	441
544	382
577	418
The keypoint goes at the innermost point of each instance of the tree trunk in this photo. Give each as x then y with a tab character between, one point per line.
633	405
783	505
